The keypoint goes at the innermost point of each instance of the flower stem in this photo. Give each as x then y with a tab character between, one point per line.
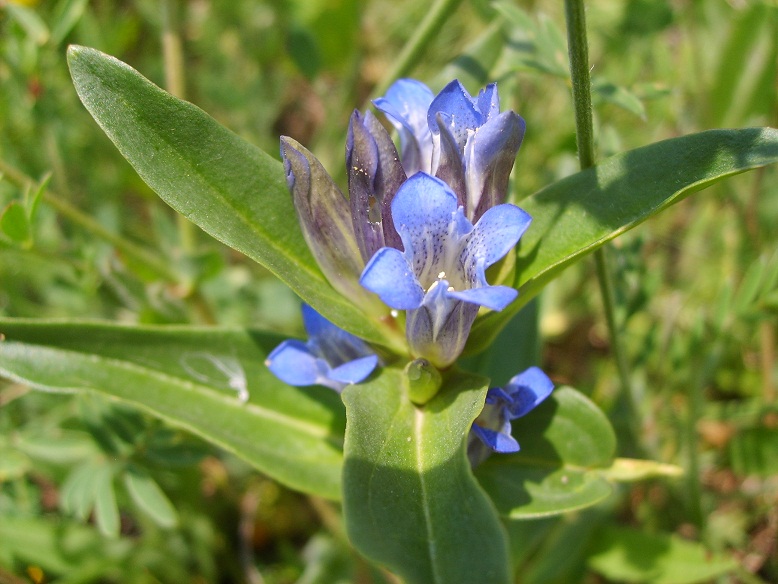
414	48
140	255
578	48
175	83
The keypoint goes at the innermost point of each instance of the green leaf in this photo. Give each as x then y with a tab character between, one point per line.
14	223
147	495
410	499
13	464
754	451
564	442
230	188
294	435
627	470
627	555
78	492
106	511
578	214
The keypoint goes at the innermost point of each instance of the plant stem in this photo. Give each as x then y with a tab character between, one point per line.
578	48
138	254
175	83
414	48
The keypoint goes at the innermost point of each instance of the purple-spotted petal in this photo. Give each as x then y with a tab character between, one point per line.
354	371
293	363
425	211
389	275
527	390
497	441
495	234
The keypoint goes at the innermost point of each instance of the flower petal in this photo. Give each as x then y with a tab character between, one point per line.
438	330
492	297
293	363
354	371
527	390
488	101
389	177
362	162
489	157
495	234
463	116
497	441
449	165
424	211
324	218
389	275
406	103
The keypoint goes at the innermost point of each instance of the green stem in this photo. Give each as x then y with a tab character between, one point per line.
129	249
175	83
578	48
414	48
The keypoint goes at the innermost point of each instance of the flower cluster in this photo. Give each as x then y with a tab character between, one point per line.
418	231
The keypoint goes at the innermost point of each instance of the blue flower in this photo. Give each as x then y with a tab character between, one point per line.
406	104
503	404
463	140
440	277
331	357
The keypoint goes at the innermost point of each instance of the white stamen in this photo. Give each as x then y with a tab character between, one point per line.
441	275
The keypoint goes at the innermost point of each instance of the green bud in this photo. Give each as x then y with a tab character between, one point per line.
424	381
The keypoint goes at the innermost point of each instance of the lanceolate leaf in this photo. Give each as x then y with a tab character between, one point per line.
578	214
230	188
410	500
191	377
565	444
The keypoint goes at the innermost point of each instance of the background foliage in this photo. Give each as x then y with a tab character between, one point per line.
92	490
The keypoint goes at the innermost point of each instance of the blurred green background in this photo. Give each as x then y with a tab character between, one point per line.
81	236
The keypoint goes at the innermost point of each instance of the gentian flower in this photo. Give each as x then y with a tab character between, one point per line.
465	141
440	277
331	357
492	428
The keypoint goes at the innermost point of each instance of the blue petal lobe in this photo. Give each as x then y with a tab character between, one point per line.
497	441
495	234
527	390
354	371
406	103
293	363
492	297
389	275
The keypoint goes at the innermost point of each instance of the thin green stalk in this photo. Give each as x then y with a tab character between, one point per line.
175	83
129	249
416	45
578	48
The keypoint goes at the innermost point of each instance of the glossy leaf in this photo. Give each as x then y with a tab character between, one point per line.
230	188
410	499
578	214
564	442
292	434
